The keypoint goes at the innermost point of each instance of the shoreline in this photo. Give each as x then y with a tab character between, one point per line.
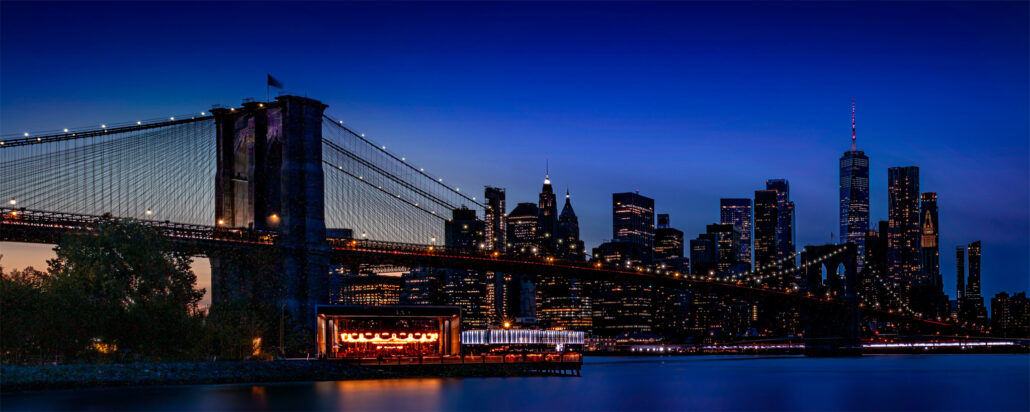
21	378
36	378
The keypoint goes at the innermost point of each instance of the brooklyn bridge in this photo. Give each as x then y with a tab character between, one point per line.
284	176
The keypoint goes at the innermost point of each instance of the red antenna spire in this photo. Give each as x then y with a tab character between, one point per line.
852	125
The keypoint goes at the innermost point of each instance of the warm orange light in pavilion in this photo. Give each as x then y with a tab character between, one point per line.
394	338
256	346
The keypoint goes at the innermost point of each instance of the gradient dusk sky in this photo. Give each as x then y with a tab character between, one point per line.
685	102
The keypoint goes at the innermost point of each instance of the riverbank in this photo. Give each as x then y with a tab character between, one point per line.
47	377
77	376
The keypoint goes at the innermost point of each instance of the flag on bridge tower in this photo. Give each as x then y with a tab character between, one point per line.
272	82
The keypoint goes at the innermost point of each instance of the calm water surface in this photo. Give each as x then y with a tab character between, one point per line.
901	382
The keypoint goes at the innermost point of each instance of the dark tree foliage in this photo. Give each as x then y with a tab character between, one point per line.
123	292
119	292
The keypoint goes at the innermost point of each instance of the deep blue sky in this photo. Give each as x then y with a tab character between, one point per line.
686	102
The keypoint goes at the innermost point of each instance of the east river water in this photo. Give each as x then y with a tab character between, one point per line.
872	382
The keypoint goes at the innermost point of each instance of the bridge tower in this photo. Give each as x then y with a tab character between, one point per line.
269	178
835	332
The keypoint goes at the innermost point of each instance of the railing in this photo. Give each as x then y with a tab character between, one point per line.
42	220
556	358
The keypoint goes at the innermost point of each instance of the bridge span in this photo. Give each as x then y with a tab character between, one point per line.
280	175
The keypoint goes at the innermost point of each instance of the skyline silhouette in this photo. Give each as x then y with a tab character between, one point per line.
685	112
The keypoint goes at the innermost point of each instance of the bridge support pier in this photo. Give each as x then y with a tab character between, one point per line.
834	332
269	178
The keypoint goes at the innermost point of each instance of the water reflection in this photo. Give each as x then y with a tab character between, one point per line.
403	394
902	382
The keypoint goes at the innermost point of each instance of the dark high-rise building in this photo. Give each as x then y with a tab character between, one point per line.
522	299
467	290
547	218
569	246
622	308
668	242
960	266
930	238
903	249
669	254
727	246
622	253
464	231
854	194
766	218
784	220
738	213
522	229
422	287
973	285
971	308
496	229
704	257
633	220
876	248
563	304
1010	315
350	289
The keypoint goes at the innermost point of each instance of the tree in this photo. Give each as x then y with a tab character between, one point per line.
123	284
22	311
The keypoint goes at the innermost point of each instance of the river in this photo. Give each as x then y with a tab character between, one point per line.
872	382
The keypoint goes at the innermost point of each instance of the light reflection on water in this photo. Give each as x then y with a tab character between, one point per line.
896	382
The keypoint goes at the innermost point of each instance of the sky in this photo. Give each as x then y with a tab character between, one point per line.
685	102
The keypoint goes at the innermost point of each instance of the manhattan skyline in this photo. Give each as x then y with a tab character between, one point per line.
686	125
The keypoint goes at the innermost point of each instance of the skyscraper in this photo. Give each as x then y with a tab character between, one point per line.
738	213
522	228
854	194
495	225
668	249
973	285
569	246
633	220
727	246
668	242
703	257
784	220
547	219
464	231
929	225
972	309
960	265
903	250
467	289
766	217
